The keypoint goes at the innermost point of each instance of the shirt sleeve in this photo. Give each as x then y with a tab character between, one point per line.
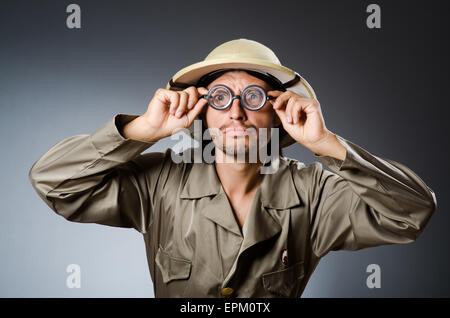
100	178
366	201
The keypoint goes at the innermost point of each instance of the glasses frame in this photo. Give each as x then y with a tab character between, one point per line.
233	97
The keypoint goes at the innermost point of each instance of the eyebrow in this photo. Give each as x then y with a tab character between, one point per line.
232	90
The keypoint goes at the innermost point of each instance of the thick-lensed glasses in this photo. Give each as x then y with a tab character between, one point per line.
221	97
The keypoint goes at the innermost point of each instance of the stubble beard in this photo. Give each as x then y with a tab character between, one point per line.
238	148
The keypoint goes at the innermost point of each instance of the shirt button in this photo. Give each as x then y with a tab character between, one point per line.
227	291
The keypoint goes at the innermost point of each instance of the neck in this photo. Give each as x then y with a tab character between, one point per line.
238	179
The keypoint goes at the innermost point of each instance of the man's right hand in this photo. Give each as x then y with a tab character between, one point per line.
168	112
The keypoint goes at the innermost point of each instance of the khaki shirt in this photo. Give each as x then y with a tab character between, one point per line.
194	245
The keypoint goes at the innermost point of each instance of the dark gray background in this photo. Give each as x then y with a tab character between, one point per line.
385	90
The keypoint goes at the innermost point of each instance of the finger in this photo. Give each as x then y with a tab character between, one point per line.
182	105
282	99
289	110
202	90
195	111
193	96
296	110
274	93
174	100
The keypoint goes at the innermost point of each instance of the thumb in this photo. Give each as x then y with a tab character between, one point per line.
195	111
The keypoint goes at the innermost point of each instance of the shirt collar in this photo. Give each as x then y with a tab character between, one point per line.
277	189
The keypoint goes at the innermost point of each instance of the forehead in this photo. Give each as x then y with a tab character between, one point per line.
238	80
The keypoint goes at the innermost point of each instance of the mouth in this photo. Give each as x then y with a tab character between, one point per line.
235	131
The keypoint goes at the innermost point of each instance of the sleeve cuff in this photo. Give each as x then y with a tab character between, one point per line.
335	164
108	139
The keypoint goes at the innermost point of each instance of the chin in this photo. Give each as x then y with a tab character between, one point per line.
239	149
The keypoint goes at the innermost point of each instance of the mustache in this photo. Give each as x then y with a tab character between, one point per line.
224	127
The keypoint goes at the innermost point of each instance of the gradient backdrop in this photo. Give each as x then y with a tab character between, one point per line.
385	90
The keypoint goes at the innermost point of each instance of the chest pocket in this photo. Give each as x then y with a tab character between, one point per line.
286	282
172	268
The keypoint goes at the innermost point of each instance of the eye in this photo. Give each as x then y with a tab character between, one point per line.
220	97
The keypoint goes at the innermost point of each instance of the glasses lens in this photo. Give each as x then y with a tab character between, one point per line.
219	97
254	97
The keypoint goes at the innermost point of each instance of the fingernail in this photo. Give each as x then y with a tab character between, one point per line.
190	104
288	118
295	120
178	114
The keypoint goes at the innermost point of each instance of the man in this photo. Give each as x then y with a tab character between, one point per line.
224	229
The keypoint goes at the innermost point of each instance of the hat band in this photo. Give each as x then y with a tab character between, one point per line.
209	77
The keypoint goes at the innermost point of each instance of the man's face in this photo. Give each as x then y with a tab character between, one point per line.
236	130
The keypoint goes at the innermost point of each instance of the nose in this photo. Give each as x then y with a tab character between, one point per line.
236	111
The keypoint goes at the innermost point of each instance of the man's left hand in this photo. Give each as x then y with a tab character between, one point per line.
303	120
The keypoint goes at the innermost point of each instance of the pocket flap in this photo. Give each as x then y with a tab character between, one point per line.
171	267
284	282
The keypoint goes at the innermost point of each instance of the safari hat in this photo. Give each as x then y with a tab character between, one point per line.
249	55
